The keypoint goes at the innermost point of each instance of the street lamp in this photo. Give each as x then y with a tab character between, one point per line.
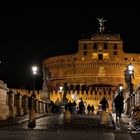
61	90
32	102
120	88
129	74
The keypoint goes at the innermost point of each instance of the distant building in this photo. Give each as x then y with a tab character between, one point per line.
91	73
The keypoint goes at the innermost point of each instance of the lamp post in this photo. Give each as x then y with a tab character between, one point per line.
32	102
61	90
120	88
61	99
129	73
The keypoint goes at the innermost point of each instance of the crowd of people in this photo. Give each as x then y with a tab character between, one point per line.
82	108
72	106
55	107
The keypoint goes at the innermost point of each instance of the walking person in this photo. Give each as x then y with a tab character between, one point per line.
57	105
92	109
88	109
81	106
118	101
103	114
104	104
74	107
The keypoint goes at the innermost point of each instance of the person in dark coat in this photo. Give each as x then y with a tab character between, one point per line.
70	106
81	106
119	105
92	109
88	108
104	104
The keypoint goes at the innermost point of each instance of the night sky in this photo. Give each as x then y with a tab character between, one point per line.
29	35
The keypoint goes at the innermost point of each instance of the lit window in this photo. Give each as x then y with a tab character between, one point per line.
106	56
94	56
83	58
132	59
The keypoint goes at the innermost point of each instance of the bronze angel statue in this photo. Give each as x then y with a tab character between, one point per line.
101	23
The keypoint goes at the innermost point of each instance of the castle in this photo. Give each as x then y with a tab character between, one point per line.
94	72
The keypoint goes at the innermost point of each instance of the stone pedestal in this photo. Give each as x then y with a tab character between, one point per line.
45	96
4	108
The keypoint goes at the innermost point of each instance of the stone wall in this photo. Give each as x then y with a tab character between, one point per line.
15	103
4	108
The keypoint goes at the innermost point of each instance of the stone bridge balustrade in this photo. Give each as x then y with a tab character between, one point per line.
14	102
137	97
25	104
11	102
4	108
18	104
37	105
42	107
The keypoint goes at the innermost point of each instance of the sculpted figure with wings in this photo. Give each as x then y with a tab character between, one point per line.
101	23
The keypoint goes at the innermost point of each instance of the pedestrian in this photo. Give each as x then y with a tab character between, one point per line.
118	101
88	109
92	109
57	105
103	114
67	116
70	106
104	104
74	107
52	107
81	106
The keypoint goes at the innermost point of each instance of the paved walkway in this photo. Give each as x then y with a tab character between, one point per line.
19	119
79	121
124	124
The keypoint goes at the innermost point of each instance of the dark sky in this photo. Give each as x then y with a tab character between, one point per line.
29	35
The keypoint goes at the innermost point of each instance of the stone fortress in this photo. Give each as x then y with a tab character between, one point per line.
94	72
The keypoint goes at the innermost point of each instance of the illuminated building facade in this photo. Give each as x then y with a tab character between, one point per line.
91	73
